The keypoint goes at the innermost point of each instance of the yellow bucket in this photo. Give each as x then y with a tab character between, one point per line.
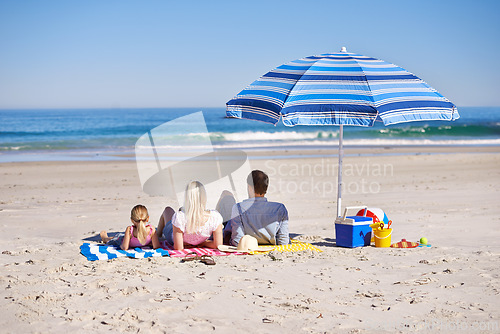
383	237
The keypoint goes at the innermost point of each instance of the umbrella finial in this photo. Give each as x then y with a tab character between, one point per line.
344	49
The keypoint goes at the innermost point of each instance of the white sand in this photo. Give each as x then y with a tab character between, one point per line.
47	208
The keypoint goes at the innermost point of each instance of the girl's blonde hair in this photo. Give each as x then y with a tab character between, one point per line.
139	214
195	201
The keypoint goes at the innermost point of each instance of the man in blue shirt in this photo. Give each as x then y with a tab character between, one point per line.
256	216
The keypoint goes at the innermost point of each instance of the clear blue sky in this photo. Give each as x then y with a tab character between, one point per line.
120	53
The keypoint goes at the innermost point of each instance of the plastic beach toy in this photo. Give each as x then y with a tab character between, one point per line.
423	241
377	214
383	237
379	226
404	244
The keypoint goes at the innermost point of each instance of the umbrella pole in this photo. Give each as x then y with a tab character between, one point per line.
341	155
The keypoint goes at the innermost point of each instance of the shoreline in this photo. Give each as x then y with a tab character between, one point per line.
280	152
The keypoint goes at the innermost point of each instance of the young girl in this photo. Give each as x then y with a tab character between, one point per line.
138	234
193	225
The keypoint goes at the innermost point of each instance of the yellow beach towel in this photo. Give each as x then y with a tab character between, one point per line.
295	246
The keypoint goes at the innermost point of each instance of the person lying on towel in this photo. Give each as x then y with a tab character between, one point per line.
256	216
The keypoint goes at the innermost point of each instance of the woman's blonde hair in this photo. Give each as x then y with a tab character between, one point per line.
195	201
140	215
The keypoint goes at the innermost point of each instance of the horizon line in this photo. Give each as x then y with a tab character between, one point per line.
155	108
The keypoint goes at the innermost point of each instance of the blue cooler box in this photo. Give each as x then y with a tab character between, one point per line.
353	231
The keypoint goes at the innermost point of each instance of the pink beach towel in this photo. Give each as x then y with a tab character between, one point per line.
199	251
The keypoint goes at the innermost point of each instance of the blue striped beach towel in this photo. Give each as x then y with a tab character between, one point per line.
95	252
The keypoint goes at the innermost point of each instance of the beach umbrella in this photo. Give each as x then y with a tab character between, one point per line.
340	89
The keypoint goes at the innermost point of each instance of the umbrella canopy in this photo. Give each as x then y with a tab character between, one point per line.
340	89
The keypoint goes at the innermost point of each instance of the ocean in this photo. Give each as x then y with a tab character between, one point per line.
106	134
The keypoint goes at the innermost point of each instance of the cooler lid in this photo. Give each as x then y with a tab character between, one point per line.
354	220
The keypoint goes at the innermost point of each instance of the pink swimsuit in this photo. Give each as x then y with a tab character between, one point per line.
134	242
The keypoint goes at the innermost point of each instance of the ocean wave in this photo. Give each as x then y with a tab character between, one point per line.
12	148
250	143
426	131
273	136
448	130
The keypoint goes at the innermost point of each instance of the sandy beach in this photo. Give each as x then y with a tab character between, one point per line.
448	195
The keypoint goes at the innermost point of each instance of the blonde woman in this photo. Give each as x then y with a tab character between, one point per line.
138	234
193	225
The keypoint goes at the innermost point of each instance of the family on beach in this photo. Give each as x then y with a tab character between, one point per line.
195	226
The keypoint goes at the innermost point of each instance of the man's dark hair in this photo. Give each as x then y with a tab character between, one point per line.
259	181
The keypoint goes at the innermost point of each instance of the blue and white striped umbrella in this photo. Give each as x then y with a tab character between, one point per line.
340	89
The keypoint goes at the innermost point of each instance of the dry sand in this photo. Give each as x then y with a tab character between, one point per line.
46	285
